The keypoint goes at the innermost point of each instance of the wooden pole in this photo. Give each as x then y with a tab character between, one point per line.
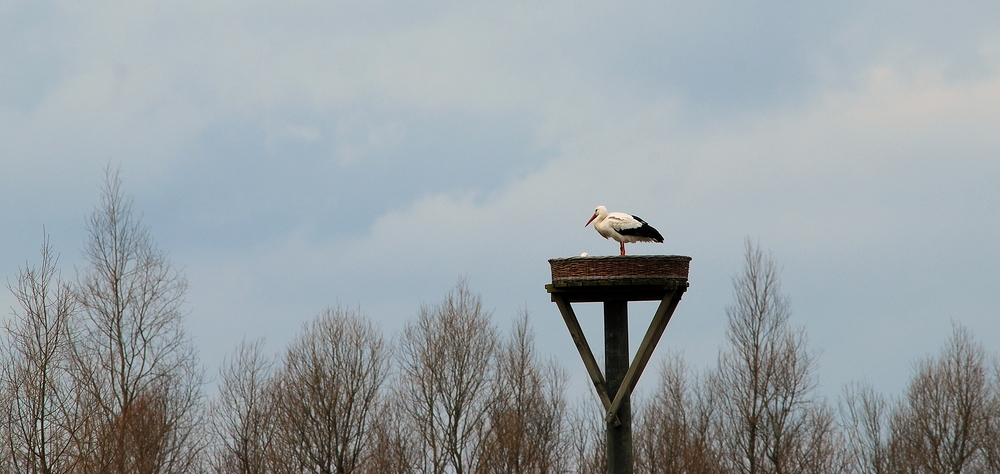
616	364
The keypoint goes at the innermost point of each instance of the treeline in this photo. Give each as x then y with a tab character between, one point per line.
99	376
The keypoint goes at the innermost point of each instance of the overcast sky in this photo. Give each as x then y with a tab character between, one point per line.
294	155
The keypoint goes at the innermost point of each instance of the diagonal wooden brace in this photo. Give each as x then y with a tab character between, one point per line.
663	313
573	324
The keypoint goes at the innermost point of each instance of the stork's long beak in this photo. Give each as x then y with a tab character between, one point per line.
591	219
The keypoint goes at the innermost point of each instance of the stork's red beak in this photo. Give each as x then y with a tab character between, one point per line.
591	219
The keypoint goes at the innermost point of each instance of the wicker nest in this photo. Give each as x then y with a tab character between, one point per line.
620	267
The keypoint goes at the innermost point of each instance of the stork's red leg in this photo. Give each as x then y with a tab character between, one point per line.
623	247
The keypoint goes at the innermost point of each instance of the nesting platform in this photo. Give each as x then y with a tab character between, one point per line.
614	281
618	277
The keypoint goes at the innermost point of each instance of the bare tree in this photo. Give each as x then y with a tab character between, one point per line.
39	418
586	432
704	449
136	440
328	392
526	419
394	441
661	429
243	421
865	414
992	448
673	430
769	420
133	353
445	360
945	423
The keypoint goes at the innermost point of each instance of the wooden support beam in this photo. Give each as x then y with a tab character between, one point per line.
663	313
573	324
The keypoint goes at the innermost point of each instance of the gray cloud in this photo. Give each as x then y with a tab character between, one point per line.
294	155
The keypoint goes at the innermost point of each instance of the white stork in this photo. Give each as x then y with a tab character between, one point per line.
622	227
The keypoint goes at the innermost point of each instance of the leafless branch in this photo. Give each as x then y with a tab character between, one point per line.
243	418
133	353
39	417
328	391
445	359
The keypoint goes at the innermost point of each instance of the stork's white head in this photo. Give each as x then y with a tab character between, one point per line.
601	212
